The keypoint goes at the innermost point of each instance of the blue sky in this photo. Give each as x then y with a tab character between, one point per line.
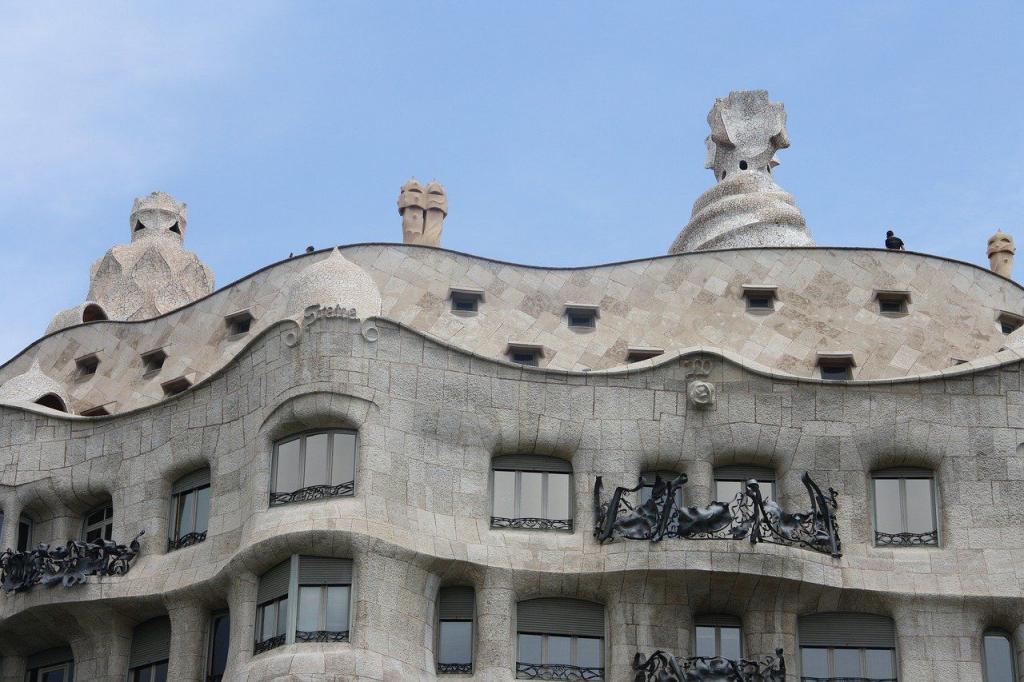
566	133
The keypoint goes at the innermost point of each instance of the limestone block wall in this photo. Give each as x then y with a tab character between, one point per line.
430	417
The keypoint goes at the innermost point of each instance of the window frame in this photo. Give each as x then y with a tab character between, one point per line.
545	650
465	302
322	611
260	617
105	525
830	658
133	673
1003	634
276	494
760	292
455	668
517	497
903	475
581	317
175	536
210	653
722	474
717	627
23	542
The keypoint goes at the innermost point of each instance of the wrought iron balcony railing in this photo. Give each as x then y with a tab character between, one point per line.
68	565
748	515
454	668
907	539
313	492
321	636
557	671
663	667
531	523
268	644
185	541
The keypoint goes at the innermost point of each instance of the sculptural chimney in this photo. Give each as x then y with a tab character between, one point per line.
423	210
1000	254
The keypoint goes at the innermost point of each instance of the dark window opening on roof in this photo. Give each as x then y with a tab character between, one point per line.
581	317
465	301
239	323
759	299
893	302
175	229
53	401
836	372
175	386
525	354
1010	323
87	365
638	354
139	226
743	165
153	361
98	411
93	313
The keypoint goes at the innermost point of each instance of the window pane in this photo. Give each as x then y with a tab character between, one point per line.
558	496
998	659
316	460
730	643
186	514
142	674
269	621
202	509
456	645
94	534
220	639
879	663
309	608
589	652
531	493
767	489
288	467
94	518
920	506
282	616
505	494
887	506
531	649
337	609
54	676
344	465
160	672
846	662
814	662
24	535
559	650
706	641
726	491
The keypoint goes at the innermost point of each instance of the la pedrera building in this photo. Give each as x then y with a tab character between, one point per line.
752	459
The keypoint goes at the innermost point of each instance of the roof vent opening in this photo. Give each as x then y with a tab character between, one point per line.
637	354
175	229
528	354
87	365
98	411
153	361
760	298
53	401
465	301
582	317
836	366
1009	323
893	303
176	386
139	226
239	323
93	313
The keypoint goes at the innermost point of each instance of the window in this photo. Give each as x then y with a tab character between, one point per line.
532	491
455	612
841	646
24	533
1	528
86	366
836	366
582	316
51	665
312	466
151	648
190	510
905	507
760	298
93	313
153	361
176	386
999	657
730	480
98	411
318	602
718	636
1009	323
52	401
893	302
525	354
99	524
648	479
220	639
563	636
636	354
466	301
239	323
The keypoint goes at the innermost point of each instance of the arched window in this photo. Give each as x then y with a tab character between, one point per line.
24	533
905	512
311	591
312	466
53	401
847	646
151	649
730	480
563	636
999	657
718	635
532	491
51	665
99	523
190	510
93	313
455	616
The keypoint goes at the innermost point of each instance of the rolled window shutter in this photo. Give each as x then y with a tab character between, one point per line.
455	603
560	616
854	630
532	463
196	479
274	583
903	472
321	570
151	642
59	654
742	472
720	620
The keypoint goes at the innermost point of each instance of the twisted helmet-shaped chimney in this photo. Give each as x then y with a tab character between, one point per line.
423	210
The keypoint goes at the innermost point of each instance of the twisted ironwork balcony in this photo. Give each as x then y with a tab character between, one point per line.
454	668
68	565
663	667
748	515
907	539
313	492
321	636
531	523
557	671
185	541
268	644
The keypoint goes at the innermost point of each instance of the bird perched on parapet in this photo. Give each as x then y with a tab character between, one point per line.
892	242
